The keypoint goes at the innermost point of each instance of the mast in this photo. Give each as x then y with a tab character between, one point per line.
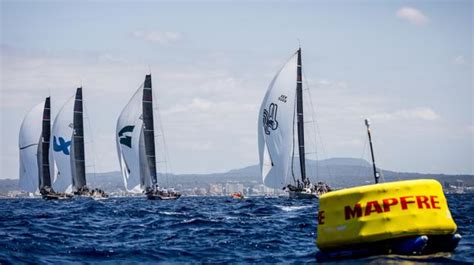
300	120
45	174
376	175
79	166
148	130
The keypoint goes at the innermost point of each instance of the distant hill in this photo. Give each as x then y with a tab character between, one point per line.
337	172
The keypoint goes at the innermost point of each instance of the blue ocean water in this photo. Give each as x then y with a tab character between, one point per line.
191	229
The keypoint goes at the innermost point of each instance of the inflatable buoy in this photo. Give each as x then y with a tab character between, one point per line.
405	217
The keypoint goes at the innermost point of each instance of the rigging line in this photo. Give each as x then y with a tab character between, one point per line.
316	130
91	140
319	134
168	166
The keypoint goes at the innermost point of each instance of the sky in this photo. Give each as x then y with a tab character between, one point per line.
406	65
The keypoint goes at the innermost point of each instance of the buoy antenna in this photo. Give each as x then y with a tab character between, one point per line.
376	174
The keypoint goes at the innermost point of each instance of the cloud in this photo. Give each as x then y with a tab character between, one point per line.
422	113
202	105
412	15
459	60
158	37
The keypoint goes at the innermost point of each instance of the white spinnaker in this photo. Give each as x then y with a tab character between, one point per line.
28	142
61	138
275	137
128	141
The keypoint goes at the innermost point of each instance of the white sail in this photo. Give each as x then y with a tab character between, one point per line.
129	129
276	126
61	136
29	144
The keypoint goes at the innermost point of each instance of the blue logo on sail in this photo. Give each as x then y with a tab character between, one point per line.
125	139
62	146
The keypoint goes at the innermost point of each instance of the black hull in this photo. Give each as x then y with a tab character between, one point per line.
55	196
302	195
155	196
91	194
162	197
411	246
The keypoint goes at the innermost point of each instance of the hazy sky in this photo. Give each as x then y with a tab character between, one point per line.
405	64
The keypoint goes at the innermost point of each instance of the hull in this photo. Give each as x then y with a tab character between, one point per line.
162	197
56	196
94	194
302	195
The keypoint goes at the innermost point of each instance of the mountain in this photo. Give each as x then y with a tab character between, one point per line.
337	172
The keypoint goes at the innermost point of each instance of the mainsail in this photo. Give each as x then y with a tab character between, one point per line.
78	159
135	140
44	153
300	119
148	129
34	148
276	126
68	145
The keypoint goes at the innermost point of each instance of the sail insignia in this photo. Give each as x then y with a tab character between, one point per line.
270	118
125	135
61	145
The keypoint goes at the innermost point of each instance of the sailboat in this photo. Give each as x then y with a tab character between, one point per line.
34	144
136	146
281	108
68	149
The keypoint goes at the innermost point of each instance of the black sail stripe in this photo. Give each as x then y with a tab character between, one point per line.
45	135
148	132
300	119
79	174
27	146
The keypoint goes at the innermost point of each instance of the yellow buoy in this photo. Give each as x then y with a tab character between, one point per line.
378	212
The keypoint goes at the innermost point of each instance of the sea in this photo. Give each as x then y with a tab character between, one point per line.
190	230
